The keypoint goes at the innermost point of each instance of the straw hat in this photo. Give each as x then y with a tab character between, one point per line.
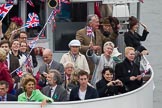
115	53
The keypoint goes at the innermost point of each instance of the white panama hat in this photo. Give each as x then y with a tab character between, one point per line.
74	42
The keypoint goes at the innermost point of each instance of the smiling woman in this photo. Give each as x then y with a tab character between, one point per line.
128	71
107	86
30	94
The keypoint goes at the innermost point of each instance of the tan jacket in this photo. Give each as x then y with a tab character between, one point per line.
79	63
99	39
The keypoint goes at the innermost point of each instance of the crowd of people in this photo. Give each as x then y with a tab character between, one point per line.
92	67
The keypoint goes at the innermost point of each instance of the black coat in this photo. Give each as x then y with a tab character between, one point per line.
104	90
91	93
14	64
124	71
133	40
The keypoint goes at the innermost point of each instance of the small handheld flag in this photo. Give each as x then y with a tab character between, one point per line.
19	72
32	21
89	31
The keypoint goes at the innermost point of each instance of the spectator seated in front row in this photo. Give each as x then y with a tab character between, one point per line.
107	86
128	71
84	91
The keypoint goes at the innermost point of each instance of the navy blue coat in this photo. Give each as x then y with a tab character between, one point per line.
91	93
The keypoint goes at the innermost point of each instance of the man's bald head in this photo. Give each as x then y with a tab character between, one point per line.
47	56
47	51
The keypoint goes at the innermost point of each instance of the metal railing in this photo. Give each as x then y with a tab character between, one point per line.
119	1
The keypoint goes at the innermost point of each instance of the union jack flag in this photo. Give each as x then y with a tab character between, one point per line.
32	21
89	31
28	63
19	72
30	3
4	9
33	42
10	1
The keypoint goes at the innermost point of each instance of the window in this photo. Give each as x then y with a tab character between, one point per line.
39	9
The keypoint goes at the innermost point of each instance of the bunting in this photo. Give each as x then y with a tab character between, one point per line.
30	3
33	42
28	64
32	45
9	1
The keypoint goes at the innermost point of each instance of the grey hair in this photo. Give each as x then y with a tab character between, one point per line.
68	62
89	17
57	75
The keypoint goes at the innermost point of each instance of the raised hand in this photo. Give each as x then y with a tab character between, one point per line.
143	25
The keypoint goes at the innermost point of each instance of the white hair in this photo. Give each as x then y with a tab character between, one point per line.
109	43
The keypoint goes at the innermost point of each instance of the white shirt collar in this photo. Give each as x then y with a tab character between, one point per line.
53	90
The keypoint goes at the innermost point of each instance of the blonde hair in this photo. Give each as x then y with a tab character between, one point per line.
127	49
74	74
2	55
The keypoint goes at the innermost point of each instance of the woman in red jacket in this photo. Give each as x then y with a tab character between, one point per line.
4	72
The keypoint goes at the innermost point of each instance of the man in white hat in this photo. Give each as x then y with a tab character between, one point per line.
75	56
